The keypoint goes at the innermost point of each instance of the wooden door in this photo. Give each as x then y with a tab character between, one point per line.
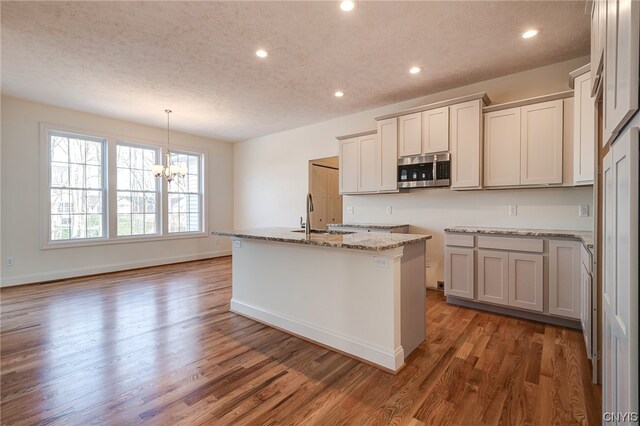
410	135
620	302
621	65
526	281
435	130
541	143
368	152
493	276
334	200
465	142
459	272
388	137
319	183
349	166
502	148
564	278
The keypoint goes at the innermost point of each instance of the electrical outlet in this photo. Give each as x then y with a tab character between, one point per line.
10	261
583	210
440	285
350	209
216	241
381	262
427	262
389	210
513	210
237	243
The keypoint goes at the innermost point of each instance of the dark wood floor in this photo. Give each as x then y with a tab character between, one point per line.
160	346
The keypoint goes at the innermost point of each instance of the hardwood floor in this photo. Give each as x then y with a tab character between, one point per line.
159	346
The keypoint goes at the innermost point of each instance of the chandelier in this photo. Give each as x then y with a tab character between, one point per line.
168	170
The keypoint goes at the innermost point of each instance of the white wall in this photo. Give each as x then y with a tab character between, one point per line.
270	175
21	227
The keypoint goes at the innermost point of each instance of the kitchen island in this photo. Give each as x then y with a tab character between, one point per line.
362	294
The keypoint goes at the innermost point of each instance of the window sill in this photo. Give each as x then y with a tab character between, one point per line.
49	245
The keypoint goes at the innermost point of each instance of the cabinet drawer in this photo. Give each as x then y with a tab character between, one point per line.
532	245
585	255
460	240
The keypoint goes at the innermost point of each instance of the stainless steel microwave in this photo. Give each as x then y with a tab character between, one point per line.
424	171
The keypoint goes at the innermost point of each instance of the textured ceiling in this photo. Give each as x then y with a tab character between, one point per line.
131	60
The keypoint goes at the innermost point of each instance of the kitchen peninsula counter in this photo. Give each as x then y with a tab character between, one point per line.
362	294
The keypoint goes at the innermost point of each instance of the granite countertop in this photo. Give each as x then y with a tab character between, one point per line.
366	225
357	240
585	236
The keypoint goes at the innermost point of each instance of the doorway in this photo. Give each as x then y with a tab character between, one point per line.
323	186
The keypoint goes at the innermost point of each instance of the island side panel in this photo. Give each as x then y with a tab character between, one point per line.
345	299
413	296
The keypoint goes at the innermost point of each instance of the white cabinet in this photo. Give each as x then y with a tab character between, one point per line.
584	140
621	65
368	162
410	134
564	278
435	130
359	165
586	306
348	169
502	148
493	276
523	145
466	144
388	137
620	287
541	143
459	272
526	281
598	37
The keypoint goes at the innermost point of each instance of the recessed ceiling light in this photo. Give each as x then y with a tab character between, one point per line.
339	94
261	53
530	33
347	5
415	70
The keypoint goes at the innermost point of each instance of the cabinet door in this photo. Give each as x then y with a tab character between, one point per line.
466	144
459	272
621	65
349	166
525	281
410	134
585	309
493	276
435	130
319	183
584	140
502	148
334	207
541	146
620	303
368	149
598	33
564	278
388	136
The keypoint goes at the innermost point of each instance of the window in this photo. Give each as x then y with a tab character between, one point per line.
185	197
137	190
100	189
76	186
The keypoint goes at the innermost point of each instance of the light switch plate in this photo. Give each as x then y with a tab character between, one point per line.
389	210
350	209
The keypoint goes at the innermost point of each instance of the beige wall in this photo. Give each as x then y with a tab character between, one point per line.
20	218
270	175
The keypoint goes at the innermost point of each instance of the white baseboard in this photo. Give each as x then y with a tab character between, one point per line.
114	267
388	360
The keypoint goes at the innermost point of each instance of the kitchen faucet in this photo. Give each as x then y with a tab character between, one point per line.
307	225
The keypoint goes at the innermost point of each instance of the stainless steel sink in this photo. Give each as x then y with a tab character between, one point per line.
322	232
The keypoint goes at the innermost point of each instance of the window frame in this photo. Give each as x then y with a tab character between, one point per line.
110	190
180	151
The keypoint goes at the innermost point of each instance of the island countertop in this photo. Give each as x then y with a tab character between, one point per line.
585	236
357	240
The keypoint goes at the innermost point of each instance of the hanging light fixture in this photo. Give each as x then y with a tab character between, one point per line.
168	170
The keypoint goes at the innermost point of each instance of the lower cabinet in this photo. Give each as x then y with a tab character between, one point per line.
526	281
459	269
493	276
564	278
585	309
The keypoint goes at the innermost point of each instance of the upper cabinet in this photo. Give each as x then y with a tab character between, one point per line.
524	144
584	133
465	142
388	137
598	37
410	134
435	130
621	64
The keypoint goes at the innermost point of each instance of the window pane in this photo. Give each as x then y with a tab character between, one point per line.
149	159
59	149
124	179
137	157
94	177
150	203
59	174
77	151
94	153
150	181
174	223
137	224
124	202
78	202
78	226
76	175
59	201
149	224
94	225
184	196
123	153
136	180
124	224
60	227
